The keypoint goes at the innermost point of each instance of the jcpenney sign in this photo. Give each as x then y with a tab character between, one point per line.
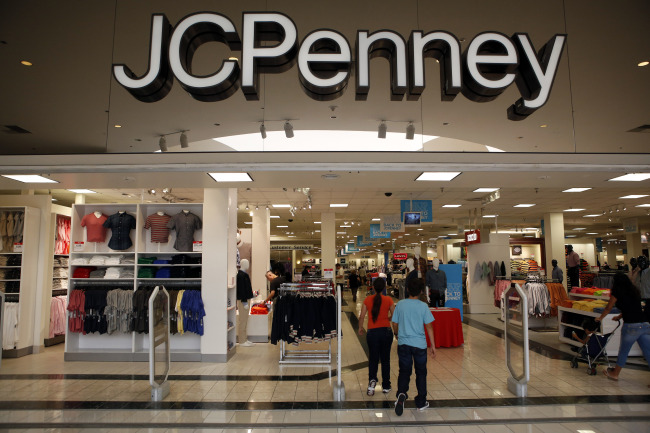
491	62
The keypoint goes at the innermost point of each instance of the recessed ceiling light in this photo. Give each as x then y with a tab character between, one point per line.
231	177
316	231
376	219
620	230
635	196
591	233
338	205
29	178
117	126
316	222
83	191
452	205
643	205
438	176
291	236
570	236
593	215
340	233
580	228
644	63
452	234
281	205
420	229
543	126
524	205
573	210
348	226
274	216
631	177
25	63
490	216
486	189
248	222
282	227
576	189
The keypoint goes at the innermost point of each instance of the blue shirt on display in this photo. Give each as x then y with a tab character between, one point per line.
411	315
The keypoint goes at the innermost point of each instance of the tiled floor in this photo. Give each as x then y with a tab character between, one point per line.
466	388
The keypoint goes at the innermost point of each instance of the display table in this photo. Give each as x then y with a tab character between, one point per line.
447	328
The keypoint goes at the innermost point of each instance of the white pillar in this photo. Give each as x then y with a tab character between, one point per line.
328	240
219	270
442	251
633	245
293	264
261	250
554	242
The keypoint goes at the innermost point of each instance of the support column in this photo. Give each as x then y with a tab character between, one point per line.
554	242
442	251
79	199
328	241
219	270
261	250
633	245
611	255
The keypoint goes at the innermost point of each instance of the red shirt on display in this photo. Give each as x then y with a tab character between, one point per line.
95	230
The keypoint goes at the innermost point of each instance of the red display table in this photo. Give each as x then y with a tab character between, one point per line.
447	327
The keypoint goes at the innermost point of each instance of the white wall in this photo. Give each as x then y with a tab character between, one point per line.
586	251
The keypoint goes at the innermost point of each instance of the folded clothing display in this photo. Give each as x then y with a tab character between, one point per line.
61	261
79	261
113	260
589	305
161	262
146	260
146	273
97	273
591	291
259	309
10	274
60	273
13	260
184	259
10	286
164	273
97	260
83	272
113	273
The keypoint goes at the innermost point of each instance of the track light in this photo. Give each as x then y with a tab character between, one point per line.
247	208
410	131
267	207
162	143
288	129
263	130
381	131
184	143
257	207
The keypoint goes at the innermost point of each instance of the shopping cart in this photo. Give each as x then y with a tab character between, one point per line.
594	351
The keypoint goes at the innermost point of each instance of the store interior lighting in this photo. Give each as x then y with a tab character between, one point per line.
381	131
263	130
162	143
29	178
288	129
410	131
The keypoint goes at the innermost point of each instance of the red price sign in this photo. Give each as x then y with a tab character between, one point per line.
473	237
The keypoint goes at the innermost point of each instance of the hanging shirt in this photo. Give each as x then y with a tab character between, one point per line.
185	225
95	230
158	225
437	280
121	224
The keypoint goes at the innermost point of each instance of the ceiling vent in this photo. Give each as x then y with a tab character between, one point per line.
15	129
642	128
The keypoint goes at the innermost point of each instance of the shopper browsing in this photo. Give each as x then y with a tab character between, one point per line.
627	298
353	283
379	335
274	276
410	318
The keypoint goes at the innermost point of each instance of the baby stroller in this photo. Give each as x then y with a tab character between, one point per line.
593	351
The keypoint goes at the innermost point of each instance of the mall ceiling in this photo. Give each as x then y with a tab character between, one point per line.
69	104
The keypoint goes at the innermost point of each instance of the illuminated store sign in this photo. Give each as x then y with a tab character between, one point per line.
489	65
473	237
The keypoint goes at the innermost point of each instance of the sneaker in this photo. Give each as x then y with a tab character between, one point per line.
386	390
371	387
399	404
247	344
426	405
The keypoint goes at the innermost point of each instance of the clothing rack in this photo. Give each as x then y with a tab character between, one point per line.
305	356
167	283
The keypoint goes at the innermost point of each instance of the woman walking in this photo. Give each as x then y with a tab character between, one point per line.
627	298
379	335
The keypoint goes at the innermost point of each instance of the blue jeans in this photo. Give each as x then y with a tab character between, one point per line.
379	342
409	355
631	333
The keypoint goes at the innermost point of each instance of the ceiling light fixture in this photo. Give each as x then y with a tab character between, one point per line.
410	131
184	143
162	143
288	129
524	205
381	130
117	126
644	63
281	205
593	215
338	205
247	208
25	63
83	191
231	177
438	176
573	210
635	196
485	189
263	130
452	205
576	189
631	177
29	178
376	219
